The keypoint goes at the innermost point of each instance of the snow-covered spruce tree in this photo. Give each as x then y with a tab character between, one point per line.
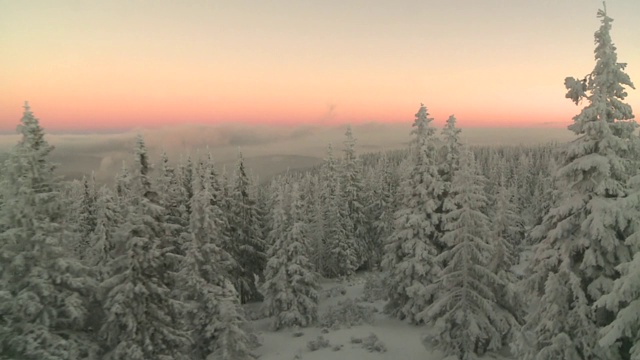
449	160
2	202
43	290
381	209
174	199
545	192
279	217
86	216
523	186
325	184
291	286
264	201
581	239
123	186
226	204
448	163
185	178
205	284
507	226
142	320
410	251
340	258
317	243
206	225
504	235
249	245
104	238
217	198
624	299
352	193
467	316
233	341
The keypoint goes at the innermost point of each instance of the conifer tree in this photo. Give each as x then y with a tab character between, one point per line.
234	343
505	235
581	239
43	290
545	193
104	239
291	286
185	177
226	204
264	200
317	245
123	186
381	209
449	161
622	335
2	201
506	232
142	319
466	315
340	256
220	199
448	164
352	193
248	243
86	216
523	185
279	218
174	199
213	301
411	249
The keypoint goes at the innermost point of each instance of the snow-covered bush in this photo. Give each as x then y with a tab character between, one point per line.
373	344
370	343
374	288
319	343
338	290
347	313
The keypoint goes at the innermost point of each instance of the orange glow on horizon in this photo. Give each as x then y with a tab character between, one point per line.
84	67
139	115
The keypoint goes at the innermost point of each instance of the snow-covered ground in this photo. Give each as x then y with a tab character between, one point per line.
402	340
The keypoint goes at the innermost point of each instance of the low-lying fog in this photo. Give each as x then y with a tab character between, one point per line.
268	150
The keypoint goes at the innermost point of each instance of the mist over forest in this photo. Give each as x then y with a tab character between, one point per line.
268	150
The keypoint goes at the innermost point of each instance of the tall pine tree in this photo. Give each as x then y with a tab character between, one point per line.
214	313
142	319
410	252
340	257
291	287
467	315
246	233
352	194
581	239
44	291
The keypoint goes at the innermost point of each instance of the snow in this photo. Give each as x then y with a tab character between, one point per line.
402	340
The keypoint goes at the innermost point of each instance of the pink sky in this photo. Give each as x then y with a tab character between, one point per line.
125	64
